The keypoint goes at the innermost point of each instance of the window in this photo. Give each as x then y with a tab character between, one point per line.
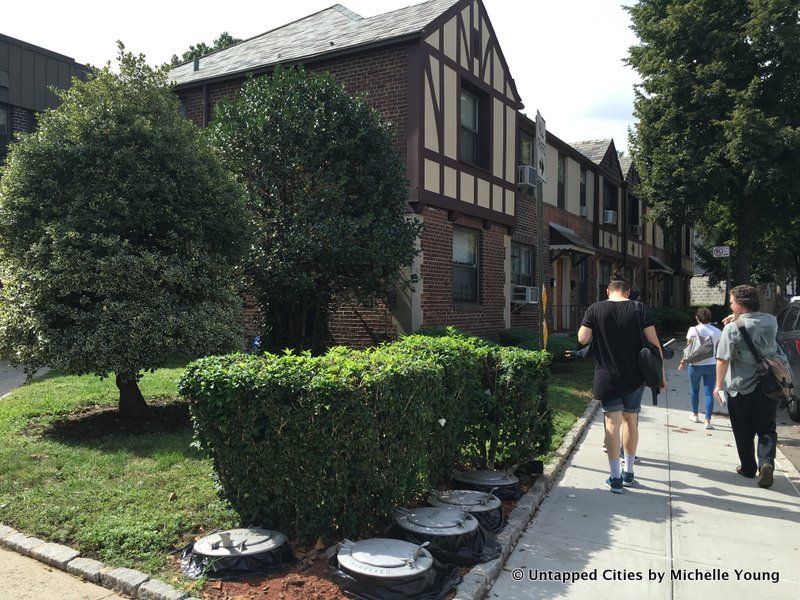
521	264
476	43
4	132
583	187
633	212
470	133
525	148
583	279
604	279
687	246
466	244
609	196
562	180
788	318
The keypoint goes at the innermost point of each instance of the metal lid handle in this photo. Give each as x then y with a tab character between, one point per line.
489	495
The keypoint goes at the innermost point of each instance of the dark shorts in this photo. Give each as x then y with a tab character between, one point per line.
629	403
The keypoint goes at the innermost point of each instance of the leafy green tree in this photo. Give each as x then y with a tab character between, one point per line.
201	49
119	233
327	191
718	138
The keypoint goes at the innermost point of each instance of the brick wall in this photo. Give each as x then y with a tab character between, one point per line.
526	315
583	228
438	309
22	120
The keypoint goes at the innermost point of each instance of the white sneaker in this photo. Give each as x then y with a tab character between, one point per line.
694	418
709	426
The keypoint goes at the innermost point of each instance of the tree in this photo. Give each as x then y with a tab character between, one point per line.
327	191
119	232
201	49
718	138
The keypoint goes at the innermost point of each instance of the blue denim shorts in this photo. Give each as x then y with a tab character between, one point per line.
629	403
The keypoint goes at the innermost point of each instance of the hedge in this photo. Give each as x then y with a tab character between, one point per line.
330	445
670	320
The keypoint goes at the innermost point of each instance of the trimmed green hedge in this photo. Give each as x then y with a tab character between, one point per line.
670	320
332	444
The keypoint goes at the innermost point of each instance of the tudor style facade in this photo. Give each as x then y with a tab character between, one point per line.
437	73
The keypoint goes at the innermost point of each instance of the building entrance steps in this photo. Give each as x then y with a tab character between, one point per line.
690	519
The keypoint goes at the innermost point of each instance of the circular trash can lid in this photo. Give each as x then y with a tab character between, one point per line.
466	500
239	542
486	478
437	520
385	558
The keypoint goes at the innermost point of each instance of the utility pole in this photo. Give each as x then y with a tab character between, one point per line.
540	161
724	252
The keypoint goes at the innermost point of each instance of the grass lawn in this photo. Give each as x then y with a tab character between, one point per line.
127	498
570	392
124	499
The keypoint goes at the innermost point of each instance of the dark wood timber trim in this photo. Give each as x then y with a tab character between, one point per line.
469	169
461	207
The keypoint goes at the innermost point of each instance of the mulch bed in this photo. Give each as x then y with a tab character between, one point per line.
307	580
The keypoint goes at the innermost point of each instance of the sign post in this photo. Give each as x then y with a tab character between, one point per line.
724	252
540	160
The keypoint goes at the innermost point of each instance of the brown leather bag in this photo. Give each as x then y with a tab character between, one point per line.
773	374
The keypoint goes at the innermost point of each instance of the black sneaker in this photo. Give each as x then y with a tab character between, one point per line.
627	479
765	475
614	484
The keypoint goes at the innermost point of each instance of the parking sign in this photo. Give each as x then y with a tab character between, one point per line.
721	251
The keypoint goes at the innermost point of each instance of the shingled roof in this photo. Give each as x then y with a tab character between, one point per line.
330	30
594	150
625	162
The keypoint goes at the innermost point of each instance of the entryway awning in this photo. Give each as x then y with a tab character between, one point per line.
565	239
656	265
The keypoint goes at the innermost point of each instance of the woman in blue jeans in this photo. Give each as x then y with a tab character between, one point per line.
705	370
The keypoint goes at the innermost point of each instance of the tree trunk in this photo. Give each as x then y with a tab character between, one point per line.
131	401
743	261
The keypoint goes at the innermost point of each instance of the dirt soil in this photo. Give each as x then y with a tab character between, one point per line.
92	422
306	580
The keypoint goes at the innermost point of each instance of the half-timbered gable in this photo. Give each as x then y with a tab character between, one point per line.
468	115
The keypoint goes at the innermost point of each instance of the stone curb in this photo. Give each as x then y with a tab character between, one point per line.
792	473
477	582
125	581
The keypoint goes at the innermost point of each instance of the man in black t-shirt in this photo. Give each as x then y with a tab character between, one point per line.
614	328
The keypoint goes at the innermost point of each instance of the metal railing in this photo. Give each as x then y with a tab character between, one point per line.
568	317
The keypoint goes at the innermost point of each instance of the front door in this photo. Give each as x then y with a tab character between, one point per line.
562	303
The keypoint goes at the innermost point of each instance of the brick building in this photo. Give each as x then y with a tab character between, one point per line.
27	74
437	73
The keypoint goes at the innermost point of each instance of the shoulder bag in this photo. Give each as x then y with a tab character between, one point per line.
698	349
772	373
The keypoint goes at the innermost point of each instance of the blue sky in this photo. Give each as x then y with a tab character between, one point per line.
565	55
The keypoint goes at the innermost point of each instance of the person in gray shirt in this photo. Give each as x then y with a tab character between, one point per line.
752	412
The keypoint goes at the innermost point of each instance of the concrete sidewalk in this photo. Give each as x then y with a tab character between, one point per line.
689	517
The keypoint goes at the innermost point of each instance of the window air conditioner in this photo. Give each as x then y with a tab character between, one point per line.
521	294
584	211
526	176
609	217
635	230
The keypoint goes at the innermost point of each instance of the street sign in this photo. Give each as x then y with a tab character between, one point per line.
540	149
720	251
